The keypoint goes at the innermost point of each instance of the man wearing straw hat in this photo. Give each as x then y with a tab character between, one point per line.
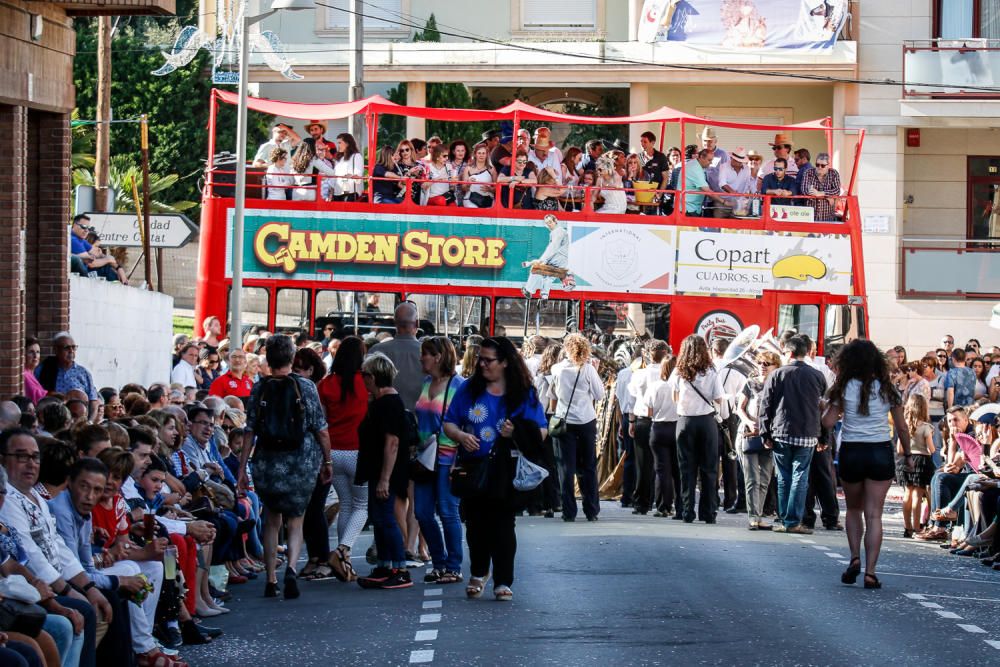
710	141
782	147
544	156
734	177
317	130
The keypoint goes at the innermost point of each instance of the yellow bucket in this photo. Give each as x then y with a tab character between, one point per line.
644	191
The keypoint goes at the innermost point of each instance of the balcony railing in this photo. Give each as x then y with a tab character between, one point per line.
951	68
952	268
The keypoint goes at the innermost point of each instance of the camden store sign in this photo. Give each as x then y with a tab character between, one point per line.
491	252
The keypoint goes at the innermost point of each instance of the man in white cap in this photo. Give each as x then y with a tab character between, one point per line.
734	177
283	137
782	147
710	141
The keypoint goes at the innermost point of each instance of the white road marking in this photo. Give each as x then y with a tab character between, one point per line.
425	655
956	597
820	547
431	592
430	618
947	614
844	562
974	629
931	605
425	635
993	642
994	582
432	604
833	555
804	541
914	596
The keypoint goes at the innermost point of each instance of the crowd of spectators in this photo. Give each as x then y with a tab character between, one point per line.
536	174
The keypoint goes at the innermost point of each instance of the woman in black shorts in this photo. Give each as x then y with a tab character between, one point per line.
863	397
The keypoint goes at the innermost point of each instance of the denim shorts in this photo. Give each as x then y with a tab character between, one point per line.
859	461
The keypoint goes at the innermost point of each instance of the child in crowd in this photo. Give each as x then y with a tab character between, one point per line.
916	470
277	179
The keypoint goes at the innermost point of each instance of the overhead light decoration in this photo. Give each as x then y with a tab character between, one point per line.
225	47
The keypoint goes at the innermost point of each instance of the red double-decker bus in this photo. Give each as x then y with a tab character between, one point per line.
309	263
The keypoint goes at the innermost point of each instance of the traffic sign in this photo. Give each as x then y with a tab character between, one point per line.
166	230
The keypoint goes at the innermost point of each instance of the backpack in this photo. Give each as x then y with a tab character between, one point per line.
410	440
280	422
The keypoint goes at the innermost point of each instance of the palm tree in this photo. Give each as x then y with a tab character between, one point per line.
123	173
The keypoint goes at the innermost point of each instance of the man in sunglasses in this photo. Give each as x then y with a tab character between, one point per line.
60	372
780	184
823	182
782	148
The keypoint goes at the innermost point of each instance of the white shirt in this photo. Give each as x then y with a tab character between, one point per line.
626	401
279	182
689	403
660	399
183	374
822	368
353	166
641	380
48	556
264	150
533	362
732	384
739	181
589	388
551	161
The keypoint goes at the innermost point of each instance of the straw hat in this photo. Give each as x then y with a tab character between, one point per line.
781	138
542	143
739	154
751	154
708	133
317	123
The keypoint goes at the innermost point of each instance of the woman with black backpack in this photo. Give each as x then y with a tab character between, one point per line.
481	416
286	424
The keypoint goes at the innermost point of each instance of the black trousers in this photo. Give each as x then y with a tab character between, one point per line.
698	458
116	646
642	497
663	442
822	487
626	445
315	530
547	500
733	485
579	460
489	532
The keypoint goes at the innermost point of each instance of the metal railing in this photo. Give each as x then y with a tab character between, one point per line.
951	68
949	267
643	202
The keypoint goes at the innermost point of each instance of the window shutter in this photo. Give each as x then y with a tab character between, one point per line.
559	14
733	137
379	14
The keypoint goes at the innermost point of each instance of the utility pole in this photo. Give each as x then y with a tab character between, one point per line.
144	125
103	149
356	69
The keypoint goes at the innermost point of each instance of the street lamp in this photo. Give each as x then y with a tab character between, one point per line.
236	292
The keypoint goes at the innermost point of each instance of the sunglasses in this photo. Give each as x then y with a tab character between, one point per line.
404	150
821	166
779	168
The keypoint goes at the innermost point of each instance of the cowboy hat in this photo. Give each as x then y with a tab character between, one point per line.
781	138
319	123
490	134
542	143
708	133
739	155
751	154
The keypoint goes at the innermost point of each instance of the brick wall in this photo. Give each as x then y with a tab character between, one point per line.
13	201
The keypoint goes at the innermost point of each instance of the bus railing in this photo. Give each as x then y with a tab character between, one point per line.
587	199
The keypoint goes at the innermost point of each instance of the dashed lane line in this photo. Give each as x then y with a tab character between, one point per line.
820	547
931	605
430	618
431	592
974	629
432	604
425	636
947	614
421	656
993	642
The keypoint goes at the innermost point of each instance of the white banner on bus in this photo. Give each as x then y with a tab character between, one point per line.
785	213
746	264
622	258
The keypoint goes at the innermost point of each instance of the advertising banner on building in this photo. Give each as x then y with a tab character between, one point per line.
605	257
733	264
811	25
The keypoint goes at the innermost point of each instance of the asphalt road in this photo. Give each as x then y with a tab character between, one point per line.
633	590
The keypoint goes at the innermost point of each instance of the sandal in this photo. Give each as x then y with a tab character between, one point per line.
309	571
503	594
476	586
944	514
850	575
871	581
450	577
323	573
340	563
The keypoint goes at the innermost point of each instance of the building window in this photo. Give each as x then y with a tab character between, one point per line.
381	16
983	201
963	19
558	15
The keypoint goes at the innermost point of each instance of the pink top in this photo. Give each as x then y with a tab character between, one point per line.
33	389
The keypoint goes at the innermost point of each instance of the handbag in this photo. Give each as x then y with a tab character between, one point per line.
724	435
480	200
557	425
19	611
753	444
471	478
527	475
424	461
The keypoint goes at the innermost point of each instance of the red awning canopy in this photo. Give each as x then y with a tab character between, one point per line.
377	104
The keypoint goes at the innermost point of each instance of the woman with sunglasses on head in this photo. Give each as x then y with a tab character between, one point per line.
520	173
432	495
498	399
756	460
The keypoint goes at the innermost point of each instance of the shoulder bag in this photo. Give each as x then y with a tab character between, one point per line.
725	437
423	462
557	425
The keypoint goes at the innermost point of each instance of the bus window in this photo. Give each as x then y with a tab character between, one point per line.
627	319
803	318
377	302
548	318
843	324
451	314
292	309
333	302
253	306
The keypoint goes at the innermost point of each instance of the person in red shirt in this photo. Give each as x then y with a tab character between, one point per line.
235	381
345	399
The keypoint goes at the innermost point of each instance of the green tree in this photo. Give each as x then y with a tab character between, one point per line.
392	129
177	105
123	173
609	105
